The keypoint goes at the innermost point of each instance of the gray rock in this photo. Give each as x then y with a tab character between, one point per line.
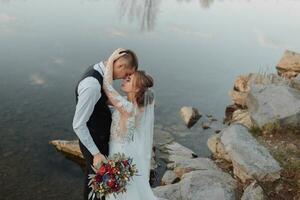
207	184
213	119
244	83
175	152
217	126
238	98
162	138
242	117
215	145
295	82
200	185
268	103
253	192
71	149
185	166
168	177
289	65
206	125
170	192
241	83
68	147
250	159
189	115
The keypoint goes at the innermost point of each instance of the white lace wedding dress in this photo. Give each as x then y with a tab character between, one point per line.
131	134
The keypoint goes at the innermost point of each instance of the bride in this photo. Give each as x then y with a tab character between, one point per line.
132	127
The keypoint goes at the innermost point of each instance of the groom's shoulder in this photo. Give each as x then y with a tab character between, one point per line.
91	78
89	83
93	71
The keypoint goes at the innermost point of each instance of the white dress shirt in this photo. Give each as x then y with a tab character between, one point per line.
89	92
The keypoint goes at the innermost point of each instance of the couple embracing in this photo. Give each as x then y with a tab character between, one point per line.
126	128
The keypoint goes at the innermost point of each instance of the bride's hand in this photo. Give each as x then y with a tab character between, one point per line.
98	158
115	56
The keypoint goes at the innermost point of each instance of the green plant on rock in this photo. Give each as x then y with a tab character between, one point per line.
272	127
255	130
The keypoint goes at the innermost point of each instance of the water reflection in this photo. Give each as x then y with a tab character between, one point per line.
266	41
36	79
203	3
8	1
147	11
5	21
144	11
185	32
206	3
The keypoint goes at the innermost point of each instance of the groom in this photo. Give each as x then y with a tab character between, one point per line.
92	117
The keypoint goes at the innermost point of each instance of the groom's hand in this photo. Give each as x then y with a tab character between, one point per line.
98	158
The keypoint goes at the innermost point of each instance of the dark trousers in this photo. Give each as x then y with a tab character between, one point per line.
89	162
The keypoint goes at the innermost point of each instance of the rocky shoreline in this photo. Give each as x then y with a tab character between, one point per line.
244	163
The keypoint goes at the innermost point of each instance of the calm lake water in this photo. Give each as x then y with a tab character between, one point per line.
193	48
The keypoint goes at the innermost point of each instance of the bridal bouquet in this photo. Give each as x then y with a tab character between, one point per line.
111	176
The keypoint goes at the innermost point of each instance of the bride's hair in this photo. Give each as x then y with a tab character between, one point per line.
143	82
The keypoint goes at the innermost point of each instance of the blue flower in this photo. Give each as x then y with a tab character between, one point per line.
105	178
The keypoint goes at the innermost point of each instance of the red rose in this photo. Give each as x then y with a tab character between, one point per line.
110	170
102	170
116	188
98	178
114	170
111	183
125	162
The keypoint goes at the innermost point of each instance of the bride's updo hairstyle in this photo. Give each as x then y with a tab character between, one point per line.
143	82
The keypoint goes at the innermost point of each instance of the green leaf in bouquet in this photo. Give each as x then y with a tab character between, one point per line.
98	195
91	194
91	176
90	182
94	169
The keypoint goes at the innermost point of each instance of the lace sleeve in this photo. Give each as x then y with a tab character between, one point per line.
117	100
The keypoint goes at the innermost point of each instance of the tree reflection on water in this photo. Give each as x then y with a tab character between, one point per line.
146	11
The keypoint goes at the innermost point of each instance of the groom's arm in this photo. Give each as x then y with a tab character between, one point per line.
88	95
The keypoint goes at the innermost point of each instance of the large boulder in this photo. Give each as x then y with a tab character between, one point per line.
170	192
189	115
242	117
243	85
289	64
217	148
181	160
71	149
207	184
238	98
68	147
174	152
185	166
229	112
269	103
250	159
200	184
168	178
161	138
253	192
295	82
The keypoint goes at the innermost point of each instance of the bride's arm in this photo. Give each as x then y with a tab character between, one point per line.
116	99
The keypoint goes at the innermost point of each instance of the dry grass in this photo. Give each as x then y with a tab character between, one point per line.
285	147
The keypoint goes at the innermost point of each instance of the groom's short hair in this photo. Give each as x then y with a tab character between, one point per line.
132	59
